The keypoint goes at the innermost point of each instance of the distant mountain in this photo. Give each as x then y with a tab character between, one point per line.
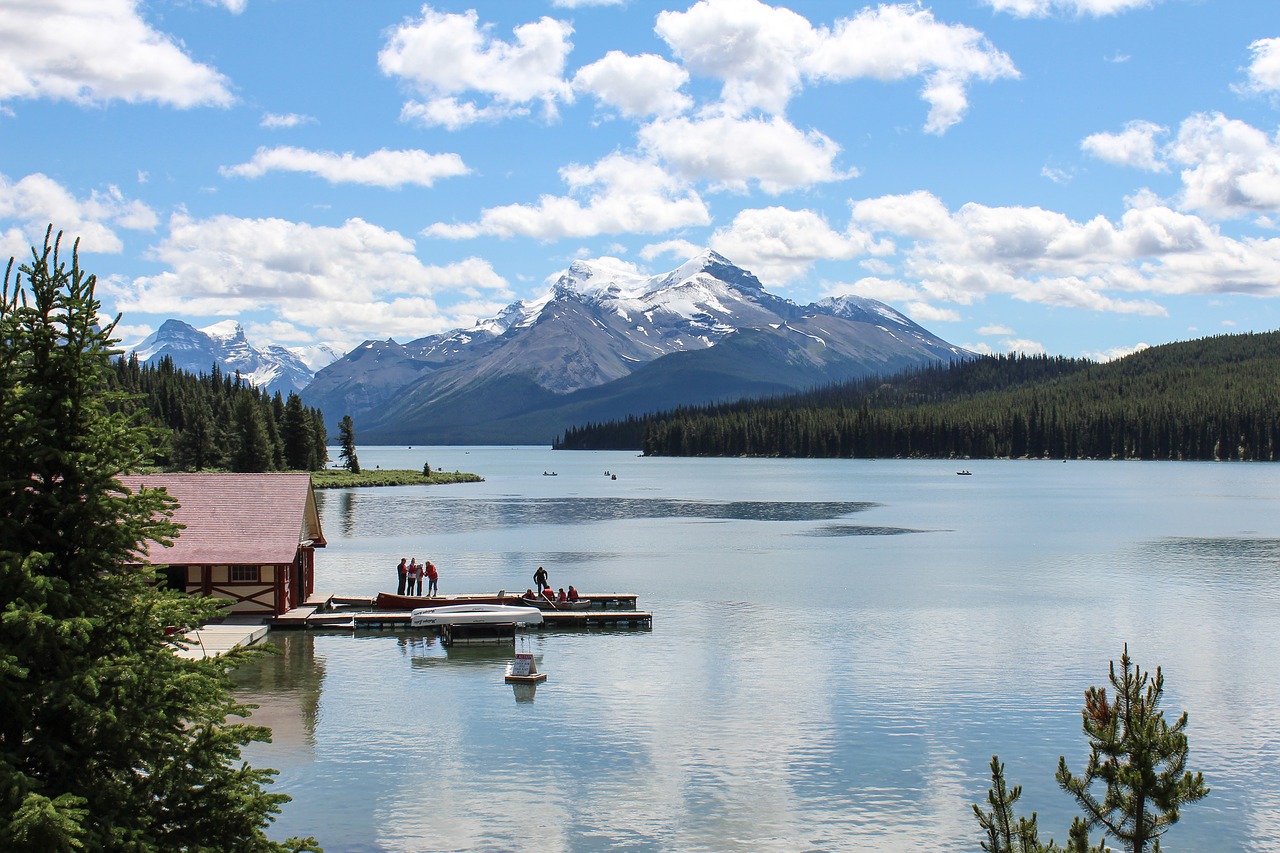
604	343
272	368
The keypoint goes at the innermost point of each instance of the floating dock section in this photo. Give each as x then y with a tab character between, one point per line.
339	613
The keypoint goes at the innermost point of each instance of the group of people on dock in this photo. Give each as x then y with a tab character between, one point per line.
410	574
541	580
546	594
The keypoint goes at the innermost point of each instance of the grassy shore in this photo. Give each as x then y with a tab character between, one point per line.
338	478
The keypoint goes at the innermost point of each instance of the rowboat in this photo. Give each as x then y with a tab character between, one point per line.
548	604
475	614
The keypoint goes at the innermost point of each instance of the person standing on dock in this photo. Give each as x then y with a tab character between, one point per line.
540	578
433	575
402	571
415	577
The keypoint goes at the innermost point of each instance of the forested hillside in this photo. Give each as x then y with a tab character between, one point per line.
1213	398
219	421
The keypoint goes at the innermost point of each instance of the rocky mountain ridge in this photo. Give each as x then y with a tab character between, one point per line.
605	342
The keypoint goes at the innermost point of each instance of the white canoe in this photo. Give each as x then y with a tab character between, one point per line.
475	614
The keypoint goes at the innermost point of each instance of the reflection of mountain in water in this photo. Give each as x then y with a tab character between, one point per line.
397	514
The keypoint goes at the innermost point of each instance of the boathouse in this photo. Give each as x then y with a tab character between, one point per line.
248	538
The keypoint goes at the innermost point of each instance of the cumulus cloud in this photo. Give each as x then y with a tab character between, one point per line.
383	168
1134	146
276	121
1042	256
636	86
763	54
1264	71
1232	169
37	200
617	195
1043	8
94	51
732	153
357	277
780	245
1114	353
443	55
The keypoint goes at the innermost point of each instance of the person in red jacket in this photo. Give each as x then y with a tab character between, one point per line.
433	575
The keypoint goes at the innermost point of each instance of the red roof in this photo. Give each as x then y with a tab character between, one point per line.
236	519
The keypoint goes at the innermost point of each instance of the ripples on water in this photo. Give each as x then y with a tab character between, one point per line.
809	682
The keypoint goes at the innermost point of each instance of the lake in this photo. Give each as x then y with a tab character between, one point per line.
838	648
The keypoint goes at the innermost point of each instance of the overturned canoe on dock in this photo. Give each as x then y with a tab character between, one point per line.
475	614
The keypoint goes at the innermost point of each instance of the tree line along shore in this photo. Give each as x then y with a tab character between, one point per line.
1209	399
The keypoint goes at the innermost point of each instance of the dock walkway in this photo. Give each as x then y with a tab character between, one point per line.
215	639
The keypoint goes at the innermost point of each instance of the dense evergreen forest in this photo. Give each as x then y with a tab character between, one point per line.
218	421
1211	399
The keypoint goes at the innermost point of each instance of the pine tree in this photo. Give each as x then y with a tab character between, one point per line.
347	440
1138	757
1140	760
299	452
108	740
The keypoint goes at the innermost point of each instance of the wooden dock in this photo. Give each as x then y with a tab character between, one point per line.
392	620
215	639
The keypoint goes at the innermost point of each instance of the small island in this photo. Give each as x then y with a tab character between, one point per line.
341	478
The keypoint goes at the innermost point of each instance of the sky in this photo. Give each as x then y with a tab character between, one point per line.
1071	177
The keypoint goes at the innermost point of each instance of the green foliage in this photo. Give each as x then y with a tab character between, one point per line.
347	441
1137	758
1212	399
108	740
218	421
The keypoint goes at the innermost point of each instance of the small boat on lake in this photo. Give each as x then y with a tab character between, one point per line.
475	614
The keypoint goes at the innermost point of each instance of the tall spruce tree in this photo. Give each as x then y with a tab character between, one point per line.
347	440
108	740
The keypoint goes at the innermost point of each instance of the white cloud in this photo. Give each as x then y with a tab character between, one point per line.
755	49
444	55
900	41
1233	169
276	121
1113	353
1230	168
636	86
617	195
923	312
763	54
680	250
1264	71
382	168
994	329
96	51
37	200
1042	8
357	277
1042	256
780	245
579	4
731	153
1134	146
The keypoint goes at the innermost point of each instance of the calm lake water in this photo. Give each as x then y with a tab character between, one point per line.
838	648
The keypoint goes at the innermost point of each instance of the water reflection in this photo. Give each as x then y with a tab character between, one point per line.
396	513
858	530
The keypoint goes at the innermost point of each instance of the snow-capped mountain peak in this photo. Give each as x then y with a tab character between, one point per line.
272	368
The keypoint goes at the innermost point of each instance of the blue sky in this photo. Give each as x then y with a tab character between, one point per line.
1076	177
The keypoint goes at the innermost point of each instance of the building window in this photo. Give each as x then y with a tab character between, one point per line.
244	574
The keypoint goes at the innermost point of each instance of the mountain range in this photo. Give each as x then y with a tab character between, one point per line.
272	368
605	343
